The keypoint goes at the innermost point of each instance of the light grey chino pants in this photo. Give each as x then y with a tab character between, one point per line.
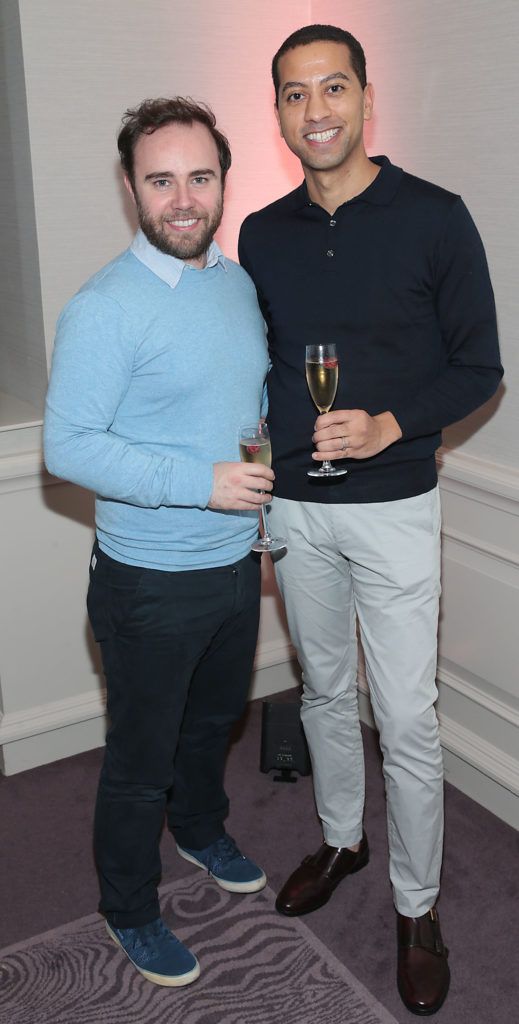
378	562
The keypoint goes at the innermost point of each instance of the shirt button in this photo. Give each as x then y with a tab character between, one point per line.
330	252
235	572
333	223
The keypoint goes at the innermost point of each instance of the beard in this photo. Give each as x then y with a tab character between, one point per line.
182	248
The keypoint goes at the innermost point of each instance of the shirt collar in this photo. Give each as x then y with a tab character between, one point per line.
381	192
169	268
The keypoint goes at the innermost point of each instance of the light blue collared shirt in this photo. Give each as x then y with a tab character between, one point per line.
169	268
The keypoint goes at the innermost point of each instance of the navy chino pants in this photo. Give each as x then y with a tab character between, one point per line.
178	651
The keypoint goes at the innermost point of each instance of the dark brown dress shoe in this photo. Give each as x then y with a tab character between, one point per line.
423	972
312	883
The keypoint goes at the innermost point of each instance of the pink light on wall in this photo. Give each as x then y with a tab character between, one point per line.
374	24
238	48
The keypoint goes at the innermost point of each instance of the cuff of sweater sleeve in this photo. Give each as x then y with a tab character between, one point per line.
408	421
193	484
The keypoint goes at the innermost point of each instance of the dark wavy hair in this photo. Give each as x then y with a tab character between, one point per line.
326	34
153	114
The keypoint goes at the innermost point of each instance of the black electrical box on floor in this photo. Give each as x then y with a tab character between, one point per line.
283	743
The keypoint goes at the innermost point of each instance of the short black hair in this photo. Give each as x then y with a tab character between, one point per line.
317	34
153	114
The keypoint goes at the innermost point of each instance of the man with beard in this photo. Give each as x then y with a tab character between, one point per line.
392	270
159	360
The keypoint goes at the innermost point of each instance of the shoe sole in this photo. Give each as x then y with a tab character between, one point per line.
322	903
167	980
253	886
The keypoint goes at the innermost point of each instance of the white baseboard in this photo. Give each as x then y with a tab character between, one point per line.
481	788
47	718
49	732
479	769
476	695
273	652
52	745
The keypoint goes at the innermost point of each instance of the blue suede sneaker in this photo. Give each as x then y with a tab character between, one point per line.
224	862
157	953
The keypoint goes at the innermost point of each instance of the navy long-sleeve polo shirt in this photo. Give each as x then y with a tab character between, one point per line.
397	277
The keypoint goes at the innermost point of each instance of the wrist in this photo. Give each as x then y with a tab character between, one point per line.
390	430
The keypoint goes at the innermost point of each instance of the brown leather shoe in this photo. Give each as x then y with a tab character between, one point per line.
312	883
423	972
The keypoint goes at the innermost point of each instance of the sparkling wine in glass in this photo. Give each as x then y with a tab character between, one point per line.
255	447
322	377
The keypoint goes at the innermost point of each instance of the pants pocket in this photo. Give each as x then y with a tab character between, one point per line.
112	594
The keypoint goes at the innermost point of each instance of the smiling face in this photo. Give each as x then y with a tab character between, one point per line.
322	106
178	190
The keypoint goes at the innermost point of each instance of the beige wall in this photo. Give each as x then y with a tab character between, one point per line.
445	78
85	63
23	368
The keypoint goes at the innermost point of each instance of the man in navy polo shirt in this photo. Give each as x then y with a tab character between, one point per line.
392	270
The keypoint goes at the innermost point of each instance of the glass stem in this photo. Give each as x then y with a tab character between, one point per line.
266	534
326	464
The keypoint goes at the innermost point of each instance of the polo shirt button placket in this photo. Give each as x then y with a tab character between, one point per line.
331	252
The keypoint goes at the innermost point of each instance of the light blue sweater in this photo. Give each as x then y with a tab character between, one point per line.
156	367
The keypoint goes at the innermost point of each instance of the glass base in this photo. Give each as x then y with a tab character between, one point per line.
326	472
269	544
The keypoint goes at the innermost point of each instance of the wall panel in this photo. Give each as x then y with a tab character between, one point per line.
443	78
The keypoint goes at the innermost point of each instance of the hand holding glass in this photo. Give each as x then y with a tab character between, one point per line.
322	377
255	447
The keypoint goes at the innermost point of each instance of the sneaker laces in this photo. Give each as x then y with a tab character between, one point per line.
147	937
224	851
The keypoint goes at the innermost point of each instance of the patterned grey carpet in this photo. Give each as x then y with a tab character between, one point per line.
256	968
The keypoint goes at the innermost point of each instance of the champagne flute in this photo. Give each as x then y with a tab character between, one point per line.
322	377
255	447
